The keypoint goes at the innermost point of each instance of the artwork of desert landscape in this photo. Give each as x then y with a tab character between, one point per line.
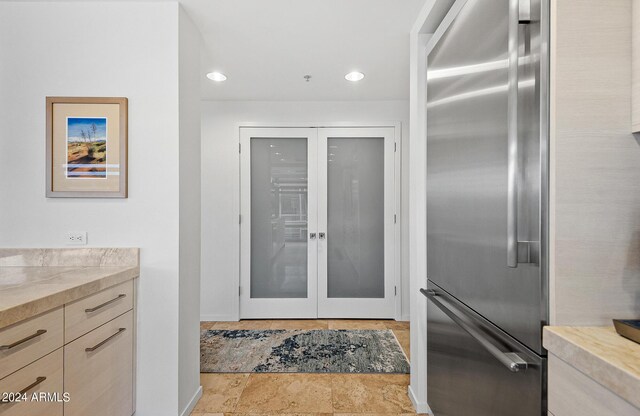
86	147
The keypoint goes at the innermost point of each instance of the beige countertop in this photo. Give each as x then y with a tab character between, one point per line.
33	281
600	353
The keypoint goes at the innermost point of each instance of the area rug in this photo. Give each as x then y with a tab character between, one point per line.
301	351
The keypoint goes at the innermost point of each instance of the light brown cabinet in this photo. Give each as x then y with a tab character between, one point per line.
595	165
98	371
572	393
84	350
40	386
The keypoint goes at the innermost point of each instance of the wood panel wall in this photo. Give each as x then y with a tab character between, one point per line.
635	27
595	178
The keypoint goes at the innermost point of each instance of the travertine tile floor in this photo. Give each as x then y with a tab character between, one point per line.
306	394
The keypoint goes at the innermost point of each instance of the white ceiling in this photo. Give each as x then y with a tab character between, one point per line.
265	47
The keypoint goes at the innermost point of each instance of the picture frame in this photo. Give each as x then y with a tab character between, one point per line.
86	147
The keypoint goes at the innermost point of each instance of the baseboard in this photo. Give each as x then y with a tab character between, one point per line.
421	407
232	318
192	403
208	317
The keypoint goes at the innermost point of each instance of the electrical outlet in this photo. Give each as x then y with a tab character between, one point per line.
76	238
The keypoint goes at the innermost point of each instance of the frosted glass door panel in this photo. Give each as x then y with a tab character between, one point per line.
279	217
355	218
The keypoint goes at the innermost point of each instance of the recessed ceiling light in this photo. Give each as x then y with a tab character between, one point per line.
354	76
216	76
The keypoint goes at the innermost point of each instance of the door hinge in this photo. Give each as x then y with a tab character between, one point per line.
239	291
239	218
395	291
239	147
395	219
395	146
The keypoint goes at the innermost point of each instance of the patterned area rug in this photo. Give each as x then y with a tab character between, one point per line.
301	351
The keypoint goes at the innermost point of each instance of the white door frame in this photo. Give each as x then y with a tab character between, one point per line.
397	126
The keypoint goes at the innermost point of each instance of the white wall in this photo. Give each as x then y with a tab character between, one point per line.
221	188
189	119
125	49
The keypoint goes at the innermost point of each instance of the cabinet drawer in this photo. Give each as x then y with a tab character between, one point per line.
98	371
38	378
89	313
26	341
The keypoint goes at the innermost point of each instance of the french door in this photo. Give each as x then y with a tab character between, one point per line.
356	208
279	214
317	223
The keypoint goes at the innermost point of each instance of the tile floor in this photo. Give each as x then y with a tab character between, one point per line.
297	394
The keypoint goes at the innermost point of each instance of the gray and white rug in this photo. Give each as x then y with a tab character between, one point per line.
301	351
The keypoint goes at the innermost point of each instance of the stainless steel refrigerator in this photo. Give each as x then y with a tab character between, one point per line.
487	191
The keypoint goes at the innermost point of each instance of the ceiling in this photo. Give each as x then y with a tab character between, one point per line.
266	47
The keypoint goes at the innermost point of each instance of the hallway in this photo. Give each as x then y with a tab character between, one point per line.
295	393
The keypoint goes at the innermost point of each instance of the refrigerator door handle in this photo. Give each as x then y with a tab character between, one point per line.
520	18
511	360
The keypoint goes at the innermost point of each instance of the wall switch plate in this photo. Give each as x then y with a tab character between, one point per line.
76	238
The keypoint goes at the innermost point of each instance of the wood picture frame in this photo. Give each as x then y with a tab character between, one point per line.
86	147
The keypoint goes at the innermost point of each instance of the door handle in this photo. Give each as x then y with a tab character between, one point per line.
511	360
520	19
23	340
101	343
322	236
109	302
428	292
524	11
38	381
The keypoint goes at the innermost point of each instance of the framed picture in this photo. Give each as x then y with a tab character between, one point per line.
86	147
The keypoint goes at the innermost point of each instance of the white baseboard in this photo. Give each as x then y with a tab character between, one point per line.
207	317
421	407
232	318
192	403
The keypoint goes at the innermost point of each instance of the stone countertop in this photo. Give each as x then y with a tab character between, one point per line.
33	281
600	353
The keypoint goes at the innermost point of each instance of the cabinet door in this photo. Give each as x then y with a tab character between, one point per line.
40	385
98	371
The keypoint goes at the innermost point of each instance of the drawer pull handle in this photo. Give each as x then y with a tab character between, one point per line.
100	344
23	340
32	385
120	296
